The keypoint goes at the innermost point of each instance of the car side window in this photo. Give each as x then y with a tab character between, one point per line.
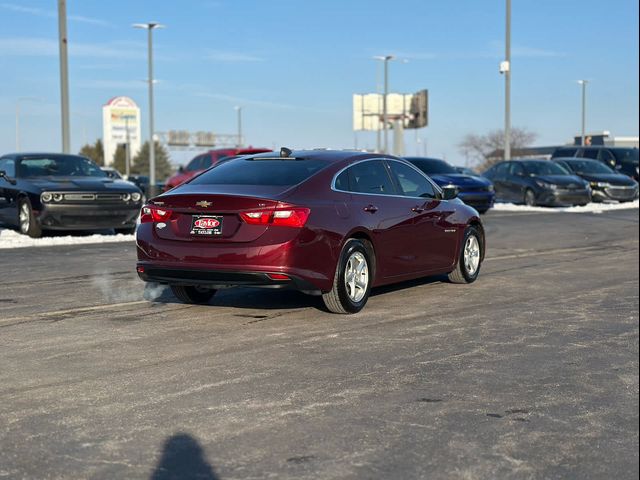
501	170
370	177
342	182
410	182
516	170
9	166
590	153
607	157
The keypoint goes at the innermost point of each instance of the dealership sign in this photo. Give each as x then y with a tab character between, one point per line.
120	125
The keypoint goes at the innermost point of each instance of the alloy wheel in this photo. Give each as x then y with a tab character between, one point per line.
356	277
25	217
472	255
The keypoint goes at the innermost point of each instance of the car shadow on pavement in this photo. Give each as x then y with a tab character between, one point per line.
272	299
183	458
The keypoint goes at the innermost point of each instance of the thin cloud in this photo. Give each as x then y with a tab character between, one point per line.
38	12
522	51
246	101
122	85
46	47
233	57
415	55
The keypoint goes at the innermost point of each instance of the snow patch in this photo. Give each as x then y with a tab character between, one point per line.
13	239
590	208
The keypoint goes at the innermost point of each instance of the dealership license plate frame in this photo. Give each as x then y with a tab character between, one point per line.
206	232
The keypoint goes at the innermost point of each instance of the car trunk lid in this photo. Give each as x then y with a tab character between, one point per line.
225	206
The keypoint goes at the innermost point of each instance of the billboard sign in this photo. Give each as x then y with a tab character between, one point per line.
120	125
411	109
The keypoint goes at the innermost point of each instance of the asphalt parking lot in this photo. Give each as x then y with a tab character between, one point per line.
531	372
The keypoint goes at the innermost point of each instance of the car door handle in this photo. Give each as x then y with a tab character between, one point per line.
417	209
371	209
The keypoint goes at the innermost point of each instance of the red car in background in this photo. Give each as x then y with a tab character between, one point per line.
328	223
205	160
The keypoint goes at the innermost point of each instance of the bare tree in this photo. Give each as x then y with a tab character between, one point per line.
487	149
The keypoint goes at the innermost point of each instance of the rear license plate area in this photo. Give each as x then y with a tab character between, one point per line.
206	225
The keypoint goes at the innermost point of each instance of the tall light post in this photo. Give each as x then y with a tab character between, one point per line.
21	99
505	68
385	117
64	75
584	110
152	147
238	110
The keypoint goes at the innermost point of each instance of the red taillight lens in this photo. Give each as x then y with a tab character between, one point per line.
282	217
278	276
152	213
256	218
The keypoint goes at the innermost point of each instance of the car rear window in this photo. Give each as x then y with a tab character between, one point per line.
247	171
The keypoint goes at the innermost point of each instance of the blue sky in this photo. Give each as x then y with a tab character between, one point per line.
293	66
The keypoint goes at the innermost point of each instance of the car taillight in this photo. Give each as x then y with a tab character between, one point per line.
283	217
151	213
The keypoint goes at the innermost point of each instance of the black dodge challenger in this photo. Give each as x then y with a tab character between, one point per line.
52	191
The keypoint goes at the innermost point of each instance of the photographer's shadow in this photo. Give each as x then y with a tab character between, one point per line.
183	458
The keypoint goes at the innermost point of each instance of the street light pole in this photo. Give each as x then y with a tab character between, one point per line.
239	119
64	75
152	147
507	87
385	116
584	110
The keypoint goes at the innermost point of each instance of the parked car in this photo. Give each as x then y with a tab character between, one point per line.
622	159
51	191
142	182
538	182
473	190
205	160
606	184
330	223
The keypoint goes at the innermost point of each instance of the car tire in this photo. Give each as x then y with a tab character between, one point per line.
192	294
125	231
350	296
27	222
469	258
530	198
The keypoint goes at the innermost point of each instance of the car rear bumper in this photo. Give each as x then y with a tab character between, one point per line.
306	258
563	198
88	217
223	278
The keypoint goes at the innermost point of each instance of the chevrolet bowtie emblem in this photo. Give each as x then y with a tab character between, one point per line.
203	203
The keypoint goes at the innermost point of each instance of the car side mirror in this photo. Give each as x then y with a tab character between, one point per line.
180	169
449	192
4	175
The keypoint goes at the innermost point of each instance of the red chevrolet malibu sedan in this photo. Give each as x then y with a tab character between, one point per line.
328	223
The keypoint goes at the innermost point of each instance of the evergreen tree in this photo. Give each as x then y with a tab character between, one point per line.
94	152
120	159
141	162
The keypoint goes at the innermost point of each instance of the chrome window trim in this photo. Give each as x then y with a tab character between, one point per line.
385	159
